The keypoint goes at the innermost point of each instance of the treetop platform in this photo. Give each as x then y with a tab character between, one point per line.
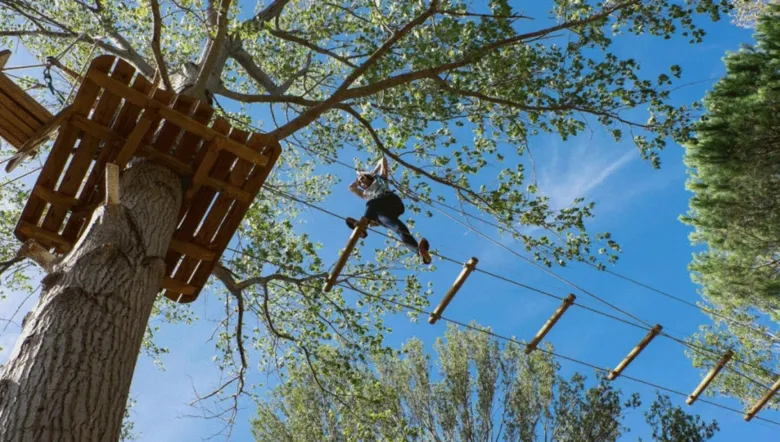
118	115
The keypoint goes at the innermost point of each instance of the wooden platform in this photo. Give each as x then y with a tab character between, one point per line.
117	116
20	115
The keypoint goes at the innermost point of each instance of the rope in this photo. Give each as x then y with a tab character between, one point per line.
432	202
646	326
514	341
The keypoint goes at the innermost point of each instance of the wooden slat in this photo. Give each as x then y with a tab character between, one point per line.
143	127
104	113
55	198
24	100
170	133
44	236
164	159
10	137
193	212
180	120
190	142
175	286
92	193
236	213
25	121
63	145
5	55
12	123
192	250
204	168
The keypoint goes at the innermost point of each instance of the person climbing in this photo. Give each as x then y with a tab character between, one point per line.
384	207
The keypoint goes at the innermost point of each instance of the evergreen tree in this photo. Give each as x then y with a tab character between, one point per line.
734	162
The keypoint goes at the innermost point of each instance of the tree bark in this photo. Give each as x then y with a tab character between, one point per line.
69	376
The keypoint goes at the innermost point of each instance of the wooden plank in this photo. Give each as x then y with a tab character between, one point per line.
169	161
190	142
29	123
238	210
192	250
55	198
761	402
43	236
173	285
10	137
64	144
129	147
38	137
567	302
92	193
23	100
467	269
180	120
170	133
710	376
635	352
357	233
193	211
204	168
112	184
228	190
104	113
12	123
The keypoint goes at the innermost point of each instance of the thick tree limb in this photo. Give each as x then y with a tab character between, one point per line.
158	57
254	71
252	98
213	52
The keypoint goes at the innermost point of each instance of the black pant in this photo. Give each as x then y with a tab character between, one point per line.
385	210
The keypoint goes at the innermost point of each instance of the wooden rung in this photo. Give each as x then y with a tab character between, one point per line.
353	239
761	402
567	302
55	198
467	269
192	250
178	286
635	352
112	184
710	376
35	232
183	121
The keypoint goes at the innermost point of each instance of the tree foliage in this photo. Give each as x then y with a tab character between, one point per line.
734	162
450	94
477	391
747	12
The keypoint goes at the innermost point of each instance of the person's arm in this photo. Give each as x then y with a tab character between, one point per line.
356	190
382	169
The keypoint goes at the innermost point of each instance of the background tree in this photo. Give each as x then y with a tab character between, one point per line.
477	391
734	166
400	79
747	12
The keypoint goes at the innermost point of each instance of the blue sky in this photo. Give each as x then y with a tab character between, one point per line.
637	204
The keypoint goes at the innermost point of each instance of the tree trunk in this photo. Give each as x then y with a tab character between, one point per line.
69	376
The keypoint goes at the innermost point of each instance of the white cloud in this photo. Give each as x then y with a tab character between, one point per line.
583	171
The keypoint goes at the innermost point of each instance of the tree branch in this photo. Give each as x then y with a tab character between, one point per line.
247	62
156	46
213	52
288	36
270	12
342	93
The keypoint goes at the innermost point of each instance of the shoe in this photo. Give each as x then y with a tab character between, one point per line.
352	223
423	249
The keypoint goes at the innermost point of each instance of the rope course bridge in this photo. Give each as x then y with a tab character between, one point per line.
117	115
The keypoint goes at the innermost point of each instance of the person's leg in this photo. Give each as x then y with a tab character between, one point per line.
400	228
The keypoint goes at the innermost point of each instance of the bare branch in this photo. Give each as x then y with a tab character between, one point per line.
286	85
289	36
270	12
156	46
